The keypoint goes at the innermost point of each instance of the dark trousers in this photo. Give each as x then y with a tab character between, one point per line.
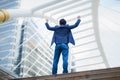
64	49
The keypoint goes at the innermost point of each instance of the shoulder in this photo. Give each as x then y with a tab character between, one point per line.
62	26
65	26
57	26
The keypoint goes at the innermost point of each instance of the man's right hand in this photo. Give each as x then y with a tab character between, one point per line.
78	17
46	20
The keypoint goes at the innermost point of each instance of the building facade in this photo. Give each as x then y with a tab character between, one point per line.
35	55
23	50
8	36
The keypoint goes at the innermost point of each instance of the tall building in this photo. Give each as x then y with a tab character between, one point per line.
8	36
23	50
35	55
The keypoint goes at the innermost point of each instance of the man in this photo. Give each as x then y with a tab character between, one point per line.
62	36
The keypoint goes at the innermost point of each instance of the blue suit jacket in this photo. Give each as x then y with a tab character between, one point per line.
62	33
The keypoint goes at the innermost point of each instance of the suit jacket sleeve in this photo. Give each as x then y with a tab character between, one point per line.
75	25
49	27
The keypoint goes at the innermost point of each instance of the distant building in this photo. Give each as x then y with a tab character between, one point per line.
22	49
36	55
9	36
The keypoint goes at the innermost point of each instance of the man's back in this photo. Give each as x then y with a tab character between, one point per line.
62	34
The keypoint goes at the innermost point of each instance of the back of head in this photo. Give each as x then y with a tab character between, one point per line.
62	22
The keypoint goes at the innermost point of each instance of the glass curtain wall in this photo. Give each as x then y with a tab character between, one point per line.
23	50
36	59
9	37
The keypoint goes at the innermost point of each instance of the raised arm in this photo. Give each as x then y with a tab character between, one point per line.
48	26
76	24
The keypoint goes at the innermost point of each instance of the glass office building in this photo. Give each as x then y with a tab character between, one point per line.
25	42
8	36
23	50
35	55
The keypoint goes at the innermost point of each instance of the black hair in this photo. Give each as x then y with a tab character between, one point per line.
62	22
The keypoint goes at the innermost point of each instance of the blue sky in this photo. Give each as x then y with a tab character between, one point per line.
109	16
113	4
110	2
